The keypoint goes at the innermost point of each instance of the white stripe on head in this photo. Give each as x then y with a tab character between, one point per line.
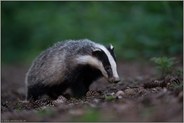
111	60
87	59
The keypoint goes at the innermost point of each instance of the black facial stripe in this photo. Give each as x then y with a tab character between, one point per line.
111	52
105	61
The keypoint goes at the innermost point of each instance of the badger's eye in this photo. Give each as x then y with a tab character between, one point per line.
108	68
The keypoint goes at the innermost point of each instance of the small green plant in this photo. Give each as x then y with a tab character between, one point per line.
179	72
18	107
91	115
176	86
164	65
110	97
46	111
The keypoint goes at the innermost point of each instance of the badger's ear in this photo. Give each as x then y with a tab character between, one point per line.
96	52
110	47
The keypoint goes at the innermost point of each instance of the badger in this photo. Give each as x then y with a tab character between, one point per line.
70	64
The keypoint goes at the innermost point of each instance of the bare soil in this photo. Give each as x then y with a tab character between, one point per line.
141	96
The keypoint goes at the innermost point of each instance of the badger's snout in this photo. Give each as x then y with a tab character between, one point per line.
114	79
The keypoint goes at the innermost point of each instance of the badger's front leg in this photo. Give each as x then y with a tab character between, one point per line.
79	89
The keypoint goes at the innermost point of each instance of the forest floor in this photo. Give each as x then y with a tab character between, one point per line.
141	96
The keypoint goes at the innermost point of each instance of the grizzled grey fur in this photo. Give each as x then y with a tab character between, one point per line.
52	65
53	71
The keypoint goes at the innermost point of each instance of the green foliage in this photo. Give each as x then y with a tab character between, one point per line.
110	97
46	111
179	72
91	115
164	64
176	86
18	107
136	29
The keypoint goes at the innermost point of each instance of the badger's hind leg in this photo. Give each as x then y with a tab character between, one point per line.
53	91
56	90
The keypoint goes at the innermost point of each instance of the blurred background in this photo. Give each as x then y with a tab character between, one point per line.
138	30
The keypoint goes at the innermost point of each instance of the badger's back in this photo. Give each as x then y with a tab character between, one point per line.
53	64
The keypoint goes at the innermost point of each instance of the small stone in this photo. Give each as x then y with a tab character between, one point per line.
59	100
112	94
119	93
154	89
165	90
96	100
119	97
130	91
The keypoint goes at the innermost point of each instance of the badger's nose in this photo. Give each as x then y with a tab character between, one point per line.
114	80
117	80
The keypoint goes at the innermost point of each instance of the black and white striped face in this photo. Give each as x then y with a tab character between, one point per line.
106	56
102	58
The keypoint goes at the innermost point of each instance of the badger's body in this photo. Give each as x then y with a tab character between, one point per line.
70	65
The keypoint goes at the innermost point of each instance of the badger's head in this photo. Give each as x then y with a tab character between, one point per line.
103	58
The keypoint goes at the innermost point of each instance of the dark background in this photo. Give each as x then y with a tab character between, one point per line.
138	30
